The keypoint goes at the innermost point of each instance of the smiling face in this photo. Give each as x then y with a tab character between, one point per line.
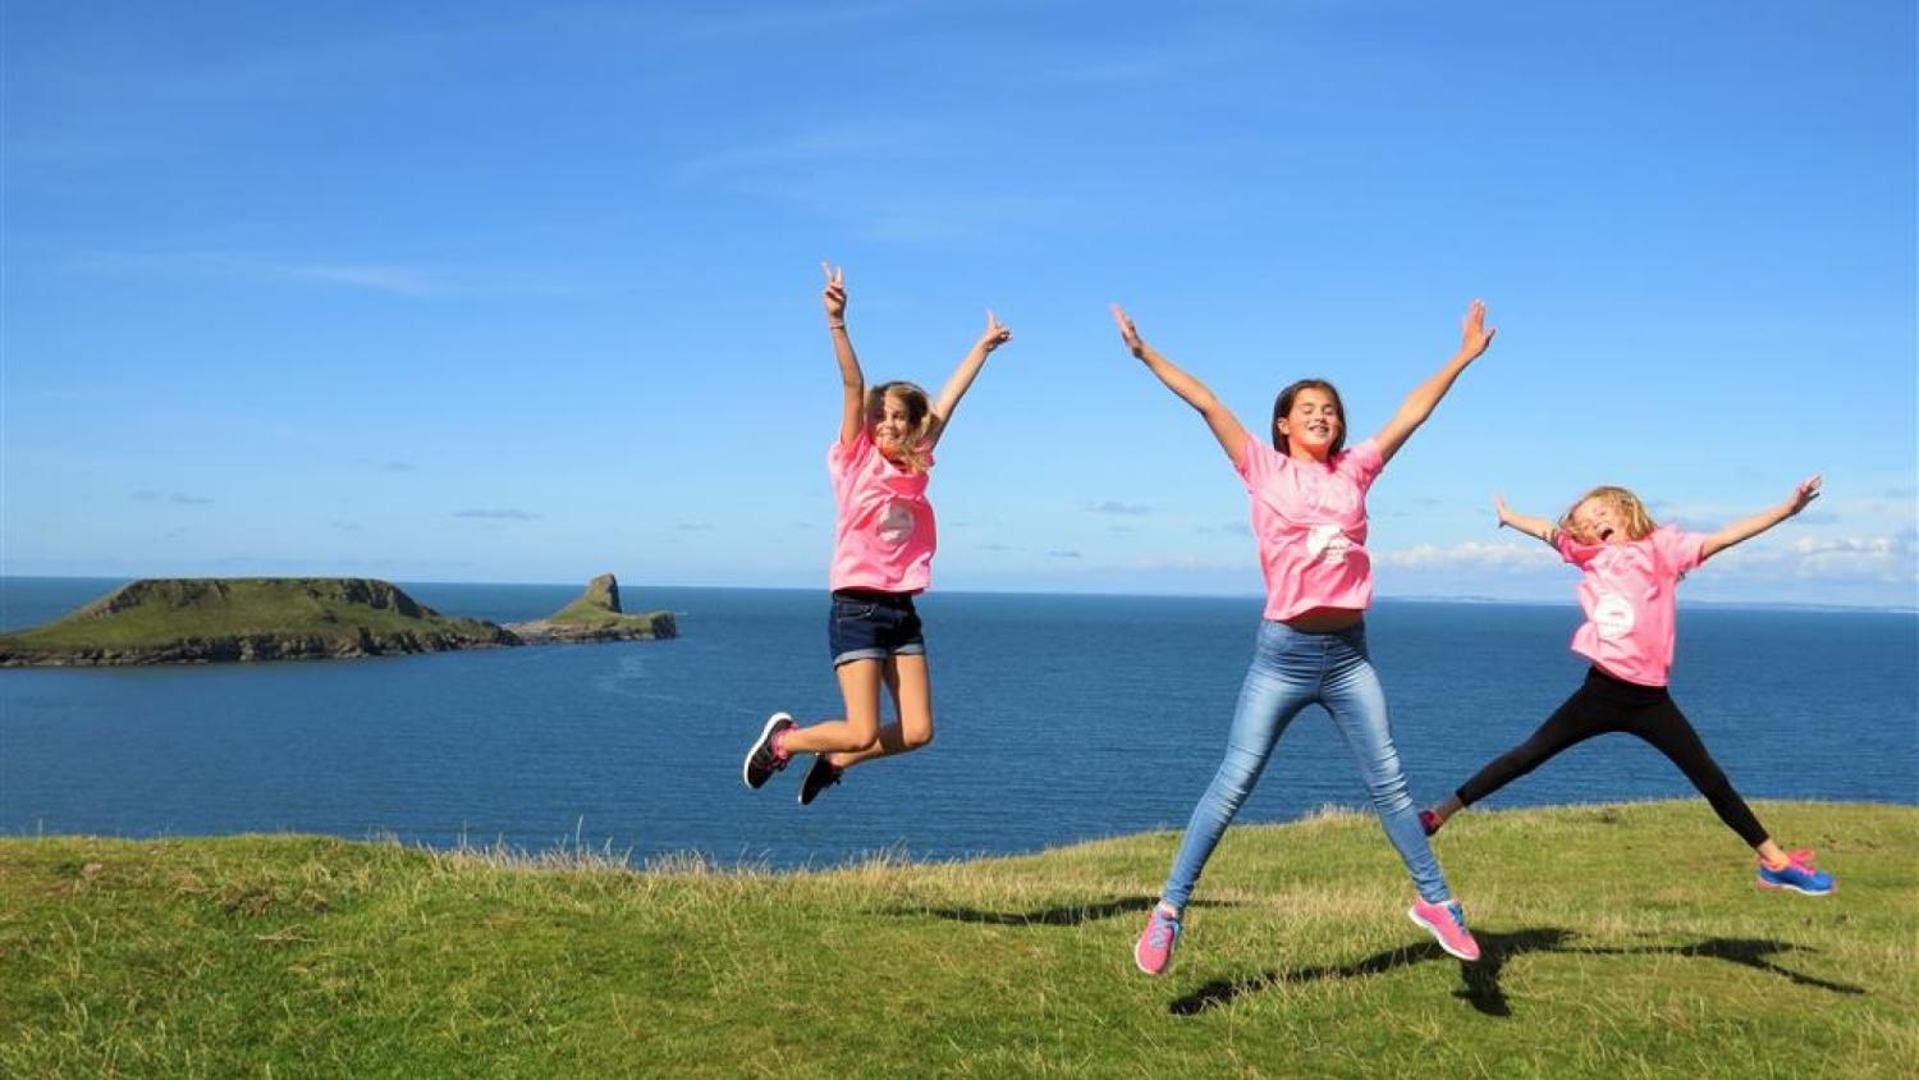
1312	424
1599	521
1608	515
896	422
892	424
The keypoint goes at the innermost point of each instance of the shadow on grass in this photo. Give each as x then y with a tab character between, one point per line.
1063	915
1481	987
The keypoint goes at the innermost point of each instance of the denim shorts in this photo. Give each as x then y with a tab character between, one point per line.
867	625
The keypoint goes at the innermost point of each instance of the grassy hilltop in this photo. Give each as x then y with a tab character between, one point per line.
1620	941
173	620
596	615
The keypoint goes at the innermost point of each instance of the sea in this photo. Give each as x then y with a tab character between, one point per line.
1058	719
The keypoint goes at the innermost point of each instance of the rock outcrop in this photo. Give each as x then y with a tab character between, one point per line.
596	615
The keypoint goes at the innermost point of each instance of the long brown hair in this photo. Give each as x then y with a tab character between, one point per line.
1283	404
912	453
1639	522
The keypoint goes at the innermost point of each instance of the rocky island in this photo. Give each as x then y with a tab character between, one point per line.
201	620
596	615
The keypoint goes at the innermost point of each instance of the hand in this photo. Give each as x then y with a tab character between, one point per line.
834	295
1806	492
1129	333
1505	515
995	335
1474	334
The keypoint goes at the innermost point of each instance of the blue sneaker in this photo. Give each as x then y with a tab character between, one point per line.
1799	875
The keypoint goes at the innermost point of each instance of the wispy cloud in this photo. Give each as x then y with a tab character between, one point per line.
506	514
1111	506
178	498
1064	553
1470	553
393	279
694	526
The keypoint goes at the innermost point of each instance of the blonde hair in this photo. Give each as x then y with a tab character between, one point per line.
912	453
1639	522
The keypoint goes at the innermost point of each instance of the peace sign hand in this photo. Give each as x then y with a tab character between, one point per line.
834	295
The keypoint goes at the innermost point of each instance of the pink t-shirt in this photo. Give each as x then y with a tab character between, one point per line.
1310	520
1628	592
884	536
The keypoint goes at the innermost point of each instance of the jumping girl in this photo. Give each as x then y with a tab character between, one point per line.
1309	514
1631	572
882	556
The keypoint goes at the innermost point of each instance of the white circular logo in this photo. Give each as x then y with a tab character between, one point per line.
1613	615
896	524
1328	543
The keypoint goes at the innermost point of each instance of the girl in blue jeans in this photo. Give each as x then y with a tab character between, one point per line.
1308	494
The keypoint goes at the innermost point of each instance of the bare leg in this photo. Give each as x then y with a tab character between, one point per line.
909	681
860	686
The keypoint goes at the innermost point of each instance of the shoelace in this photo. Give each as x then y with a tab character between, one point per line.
1801	858
1161	934
1459	915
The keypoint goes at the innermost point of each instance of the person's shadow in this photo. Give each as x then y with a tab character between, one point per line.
1481	988
1063	915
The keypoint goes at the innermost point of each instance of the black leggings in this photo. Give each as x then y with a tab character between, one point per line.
1605	704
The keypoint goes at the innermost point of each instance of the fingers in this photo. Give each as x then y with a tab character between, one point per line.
1126	329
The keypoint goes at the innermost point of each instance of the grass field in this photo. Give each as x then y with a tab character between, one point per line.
1621	940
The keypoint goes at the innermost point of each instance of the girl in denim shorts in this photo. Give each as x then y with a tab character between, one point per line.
883	543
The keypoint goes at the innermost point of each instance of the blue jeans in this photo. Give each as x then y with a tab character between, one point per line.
1291	670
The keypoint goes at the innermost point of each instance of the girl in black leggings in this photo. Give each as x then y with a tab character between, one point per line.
1631	573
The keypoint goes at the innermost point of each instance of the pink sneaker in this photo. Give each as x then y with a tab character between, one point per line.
1153	954
1448	925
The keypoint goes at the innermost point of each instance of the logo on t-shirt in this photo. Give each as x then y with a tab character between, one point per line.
1328	543
896	523
1613	615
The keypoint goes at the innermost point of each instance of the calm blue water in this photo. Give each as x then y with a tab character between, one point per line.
1060	718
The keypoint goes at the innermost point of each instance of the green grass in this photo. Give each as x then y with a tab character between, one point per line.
1621	941
163	613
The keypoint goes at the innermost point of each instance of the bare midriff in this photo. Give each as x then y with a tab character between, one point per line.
1325	620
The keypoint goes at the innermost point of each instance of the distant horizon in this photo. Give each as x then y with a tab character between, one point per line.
1570	600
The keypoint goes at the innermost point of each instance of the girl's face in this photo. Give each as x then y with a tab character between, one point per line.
1600	521
1313	423
893	426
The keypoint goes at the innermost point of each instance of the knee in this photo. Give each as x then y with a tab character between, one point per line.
861	738
916	738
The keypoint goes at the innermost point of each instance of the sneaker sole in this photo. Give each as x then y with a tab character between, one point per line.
766	733
1780	886
1144	970
1413	914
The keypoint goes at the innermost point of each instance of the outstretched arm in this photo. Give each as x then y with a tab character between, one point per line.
1226	427
994	336
1537	528
1474	336
1747	528
852	379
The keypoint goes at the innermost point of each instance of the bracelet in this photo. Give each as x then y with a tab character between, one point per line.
836	325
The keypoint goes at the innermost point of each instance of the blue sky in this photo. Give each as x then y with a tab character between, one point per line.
530	292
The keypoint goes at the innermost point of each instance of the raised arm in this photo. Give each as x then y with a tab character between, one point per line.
852	379
994	336
1474	336
1747	528
1226	427
1537	528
